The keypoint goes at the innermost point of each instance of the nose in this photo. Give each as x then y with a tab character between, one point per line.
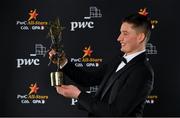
119	38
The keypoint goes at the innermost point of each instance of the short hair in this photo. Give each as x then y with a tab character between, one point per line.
140	21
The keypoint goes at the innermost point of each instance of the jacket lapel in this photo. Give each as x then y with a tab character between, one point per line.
111	69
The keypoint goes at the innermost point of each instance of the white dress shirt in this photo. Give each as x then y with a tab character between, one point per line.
128	59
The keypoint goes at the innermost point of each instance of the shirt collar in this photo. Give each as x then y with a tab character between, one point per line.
131	56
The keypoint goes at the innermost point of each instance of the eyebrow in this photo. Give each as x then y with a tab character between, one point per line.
124	31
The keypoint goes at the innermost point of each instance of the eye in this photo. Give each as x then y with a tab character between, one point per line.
125	33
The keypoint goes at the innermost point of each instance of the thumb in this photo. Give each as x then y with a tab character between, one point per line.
64	86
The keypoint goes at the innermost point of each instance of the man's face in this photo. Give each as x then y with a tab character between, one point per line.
129	39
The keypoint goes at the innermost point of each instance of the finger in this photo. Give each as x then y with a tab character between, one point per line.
64	86
59	90
52	52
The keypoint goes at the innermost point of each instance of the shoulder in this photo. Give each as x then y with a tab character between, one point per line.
143	70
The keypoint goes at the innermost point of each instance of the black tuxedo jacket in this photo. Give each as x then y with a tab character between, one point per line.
121	93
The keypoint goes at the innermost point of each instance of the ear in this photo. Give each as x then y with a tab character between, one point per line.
141	37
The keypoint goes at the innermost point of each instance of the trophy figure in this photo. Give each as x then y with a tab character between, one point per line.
55	34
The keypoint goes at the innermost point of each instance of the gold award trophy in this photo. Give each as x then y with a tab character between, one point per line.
55	34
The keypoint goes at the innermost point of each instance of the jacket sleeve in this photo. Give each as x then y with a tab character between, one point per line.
133	92
82	77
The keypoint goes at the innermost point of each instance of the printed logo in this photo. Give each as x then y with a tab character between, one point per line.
94	12
33	88
151	99
32	60
33	14
92	89
87	60
87	52
32	97
151	49
32	23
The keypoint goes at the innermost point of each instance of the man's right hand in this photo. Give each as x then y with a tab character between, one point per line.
53	55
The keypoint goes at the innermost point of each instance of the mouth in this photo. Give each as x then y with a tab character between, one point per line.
122	44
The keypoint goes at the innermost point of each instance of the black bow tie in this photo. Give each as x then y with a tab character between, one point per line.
124	60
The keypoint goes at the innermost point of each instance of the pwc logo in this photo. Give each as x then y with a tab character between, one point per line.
82	25
33	59
27	62
87	23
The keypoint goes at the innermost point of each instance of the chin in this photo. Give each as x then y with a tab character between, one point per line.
122	50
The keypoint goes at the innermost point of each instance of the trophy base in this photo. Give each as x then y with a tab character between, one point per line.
56	78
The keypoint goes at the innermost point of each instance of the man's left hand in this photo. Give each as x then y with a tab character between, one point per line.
69	91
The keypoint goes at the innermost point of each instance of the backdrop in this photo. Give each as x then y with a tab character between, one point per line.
89	25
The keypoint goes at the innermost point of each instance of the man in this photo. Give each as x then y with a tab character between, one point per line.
125	83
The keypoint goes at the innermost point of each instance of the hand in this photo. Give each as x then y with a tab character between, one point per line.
52	53
69	91
53	57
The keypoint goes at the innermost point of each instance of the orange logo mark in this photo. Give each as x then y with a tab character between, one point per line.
143	12
33	88
33	14
87	51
